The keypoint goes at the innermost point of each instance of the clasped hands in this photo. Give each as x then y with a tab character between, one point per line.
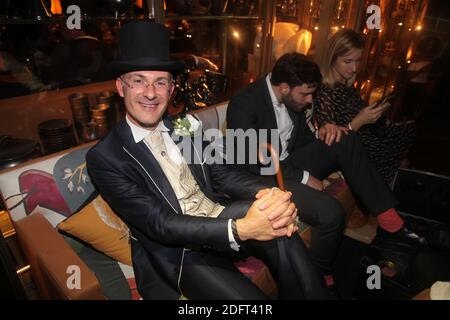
271	215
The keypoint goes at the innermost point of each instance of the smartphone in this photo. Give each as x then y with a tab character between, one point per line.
385	99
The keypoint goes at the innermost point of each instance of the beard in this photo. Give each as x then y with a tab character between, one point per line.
290	103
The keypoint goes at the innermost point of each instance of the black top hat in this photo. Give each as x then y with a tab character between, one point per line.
144	45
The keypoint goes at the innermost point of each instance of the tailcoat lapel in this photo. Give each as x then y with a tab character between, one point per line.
144	158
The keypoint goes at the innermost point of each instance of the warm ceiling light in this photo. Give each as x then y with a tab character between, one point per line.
418	28
236	34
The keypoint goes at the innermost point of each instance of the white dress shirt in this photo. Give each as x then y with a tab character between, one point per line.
284	124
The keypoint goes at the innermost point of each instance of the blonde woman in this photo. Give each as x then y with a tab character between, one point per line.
338	102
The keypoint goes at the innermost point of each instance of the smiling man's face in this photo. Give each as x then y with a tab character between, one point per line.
146	95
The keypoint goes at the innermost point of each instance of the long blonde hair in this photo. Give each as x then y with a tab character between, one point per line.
341	43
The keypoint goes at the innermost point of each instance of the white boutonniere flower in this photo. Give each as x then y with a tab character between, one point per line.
187	126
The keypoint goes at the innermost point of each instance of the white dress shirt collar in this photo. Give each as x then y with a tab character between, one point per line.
273	97
139	133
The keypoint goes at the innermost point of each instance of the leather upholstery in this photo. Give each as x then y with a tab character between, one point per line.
49	257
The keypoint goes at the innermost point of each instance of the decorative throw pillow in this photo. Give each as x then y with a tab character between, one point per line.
99	226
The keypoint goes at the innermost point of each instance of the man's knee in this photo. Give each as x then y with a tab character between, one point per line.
332	214
350	140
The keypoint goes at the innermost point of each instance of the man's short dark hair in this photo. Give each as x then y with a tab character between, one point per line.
295	70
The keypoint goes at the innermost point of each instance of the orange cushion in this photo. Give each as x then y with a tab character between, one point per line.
99	226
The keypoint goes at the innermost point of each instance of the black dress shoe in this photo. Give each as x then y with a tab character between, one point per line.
403	234
413	235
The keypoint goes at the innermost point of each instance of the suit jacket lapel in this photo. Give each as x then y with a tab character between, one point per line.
144	157
295	118
271	118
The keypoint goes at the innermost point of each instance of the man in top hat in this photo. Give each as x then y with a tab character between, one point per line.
185	233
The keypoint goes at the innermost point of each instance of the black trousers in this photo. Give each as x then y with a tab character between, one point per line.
351	158
327	218
208	275
323	212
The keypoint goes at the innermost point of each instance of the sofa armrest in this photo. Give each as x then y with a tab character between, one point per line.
66	278
49	257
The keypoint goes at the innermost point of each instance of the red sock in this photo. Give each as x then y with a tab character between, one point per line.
390	220
329	280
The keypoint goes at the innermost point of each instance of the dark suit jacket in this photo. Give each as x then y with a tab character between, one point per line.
132	182
252	108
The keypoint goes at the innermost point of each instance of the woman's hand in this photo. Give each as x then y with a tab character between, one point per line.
369	114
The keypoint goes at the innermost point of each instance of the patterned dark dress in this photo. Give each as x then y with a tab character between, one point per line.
386	144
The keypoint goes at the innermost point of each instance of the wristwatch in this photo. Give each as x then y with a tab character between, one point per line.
234	231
